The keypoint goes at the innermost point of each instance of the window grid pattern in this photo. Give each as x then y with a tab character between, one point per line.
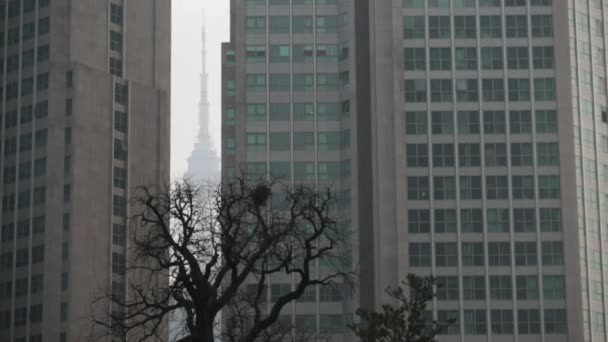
514	129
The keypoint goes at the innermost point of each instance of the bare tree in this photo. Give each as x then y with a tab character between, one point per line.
218	248
404	320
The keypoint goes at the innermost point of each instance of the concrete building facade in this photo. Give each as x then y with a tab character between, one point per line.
471	143
85	119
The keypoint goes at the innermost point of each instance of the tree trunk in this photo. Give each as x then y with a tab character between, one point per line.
204	332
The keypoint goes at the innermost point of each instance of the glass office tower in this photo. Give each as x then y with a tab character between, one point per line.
478	147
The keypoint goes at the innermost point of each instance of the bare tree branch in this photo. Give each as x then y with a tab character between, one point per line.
218	248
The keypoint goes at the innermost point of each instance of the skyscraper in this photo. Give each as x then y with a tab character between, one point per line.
478	147
204	163
85	119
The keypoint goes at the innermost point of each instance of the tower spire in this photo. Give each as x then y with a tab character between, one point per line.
203	162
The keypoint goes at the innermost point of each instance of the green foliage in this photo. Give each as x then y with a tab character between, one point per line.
405	320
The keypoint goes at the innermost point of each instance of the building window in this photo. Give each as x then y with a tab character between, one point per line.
524	220
552	253
555	321
120	150
500	287
302	24
471	220
255	170
521	154
279	53
495	154
439	27
120	177
440	59
446	254
472	254
328	82
439	4
468	122
443	155
39	196
413	27
116	14
419	221
490	26
494	121
470	187
491	58
42	81
553	287
466	58
414	59
63	312
475	322
279	82
549	187
525	253
116	66
493	90
550	219
415	123
542	26
441	90
44	26
465	27
497	187
520	122
256	111
121	121
417	155
523	187
37	254
543	57
256	82
447	288
116	41
517	58
527	287
548	154
419	254
119	234
499	253
528	322
327	24
413	4
118	263
442	122
468	155
497	220
66	193
544	89
303	141
473	287
502	322
415	90
516	26
519	89
119	206
303	171
255	24
466	90
444	187
445	221
121	94
418	188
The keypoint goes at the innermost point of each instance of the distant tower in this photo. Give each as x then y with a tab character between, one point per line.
204	163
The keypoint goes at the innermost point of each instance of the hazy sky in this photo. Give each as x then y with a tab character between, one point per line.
186	68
